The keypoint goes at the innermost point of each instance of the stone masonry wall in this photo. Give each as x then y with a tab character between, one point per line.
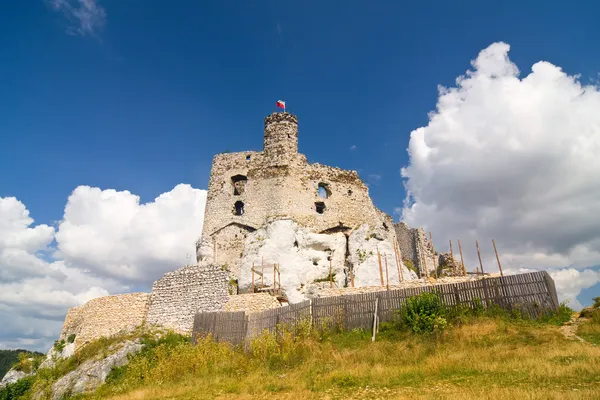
105	316
251	303
178	295
280	184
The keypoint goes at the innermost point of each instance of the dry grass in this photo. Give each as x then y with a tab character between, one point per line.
590	329
489	359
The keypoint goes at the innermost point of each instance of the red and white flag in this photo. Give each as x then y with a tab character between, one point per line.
281	104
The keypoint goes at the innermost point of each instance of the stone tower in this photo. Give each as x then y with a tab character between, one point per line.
281	136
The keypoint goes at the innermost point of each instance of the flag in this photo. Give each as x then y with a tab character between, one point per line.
281	104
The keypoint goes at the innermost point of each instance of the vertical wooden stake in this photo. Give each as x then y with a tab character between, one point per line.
274	282
462	260
252	277
330	272
435	274
262	272
497	258
423	259
479	255
352	276
387	277
452	258
399	262
380	266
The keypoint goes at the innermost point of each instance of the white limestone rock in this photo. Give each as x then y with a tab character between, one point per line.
54	355
302	255
92	373
12	376
363	245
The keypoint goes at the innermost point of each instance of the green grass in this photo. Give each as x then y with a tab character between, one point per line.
483	356
590	330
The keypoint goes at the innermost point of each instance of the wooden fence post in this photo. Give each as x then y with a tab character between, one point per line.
479	255
274	282
380	266
262	272
375	319
497	258
462	259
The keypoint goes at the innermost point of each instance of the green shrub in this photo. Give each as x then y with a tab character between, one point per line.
15	390
424	313
596	302
59	345
71	338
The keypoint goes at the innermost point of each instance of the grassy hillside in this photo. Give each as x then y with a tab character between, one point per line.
8	358
428	354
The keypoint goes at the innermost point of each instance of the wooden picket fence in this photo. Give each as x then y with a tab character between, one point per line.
533	294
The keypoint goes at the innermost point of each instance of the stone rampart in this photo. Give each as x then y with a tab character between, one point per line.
104	317
180	294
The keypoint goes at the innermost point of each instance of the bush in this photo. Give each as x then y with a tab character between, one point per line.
424	313
15	390
596	302
71	338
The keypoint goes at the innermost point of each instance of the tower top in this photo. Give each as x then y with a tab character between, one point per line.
281	135
280	117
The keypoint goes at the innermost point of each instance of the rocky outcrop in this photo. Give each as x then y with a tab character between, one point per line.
92	373
306	258
12	376
251	303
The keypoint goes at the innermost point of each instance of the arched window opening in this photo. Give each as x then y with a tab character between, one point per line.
320	207
323	190
238	208
239	184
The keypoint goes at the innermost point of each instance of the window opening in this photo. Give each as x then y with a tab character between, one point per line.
239	184
248	157
238	208
323	190
320	206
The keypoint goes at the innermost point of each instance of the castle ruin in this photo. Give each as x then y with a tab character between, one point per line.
267	212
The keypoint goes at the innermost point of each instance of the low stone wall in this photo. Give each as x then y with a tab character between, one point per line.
251	303
105	316
329	292
180	294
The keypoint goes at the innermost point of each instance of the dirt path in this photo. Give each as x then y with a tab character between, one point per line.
569	329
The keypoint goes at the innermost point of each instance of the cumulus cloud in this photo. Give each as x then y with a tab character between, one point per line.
85	16
513	159
107	242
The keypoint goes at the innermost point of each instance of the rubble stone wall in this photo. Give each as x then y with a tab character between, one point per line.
180	294
251	303
105	316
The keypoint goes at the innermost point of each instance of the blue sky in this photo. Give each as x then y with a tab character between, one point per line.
99	97
145	102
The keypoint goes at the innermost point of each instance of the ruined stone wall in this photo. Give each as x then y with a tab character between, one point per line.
251	303
105	316
406	242
282	185
415	245
178	295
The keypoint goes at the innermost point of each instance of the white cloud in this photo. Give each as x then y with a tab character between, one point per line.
106	243
85	16
353	147
514	159
112	234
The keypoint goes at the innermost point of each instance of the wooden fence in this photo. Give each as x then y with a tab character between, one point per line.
533	294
